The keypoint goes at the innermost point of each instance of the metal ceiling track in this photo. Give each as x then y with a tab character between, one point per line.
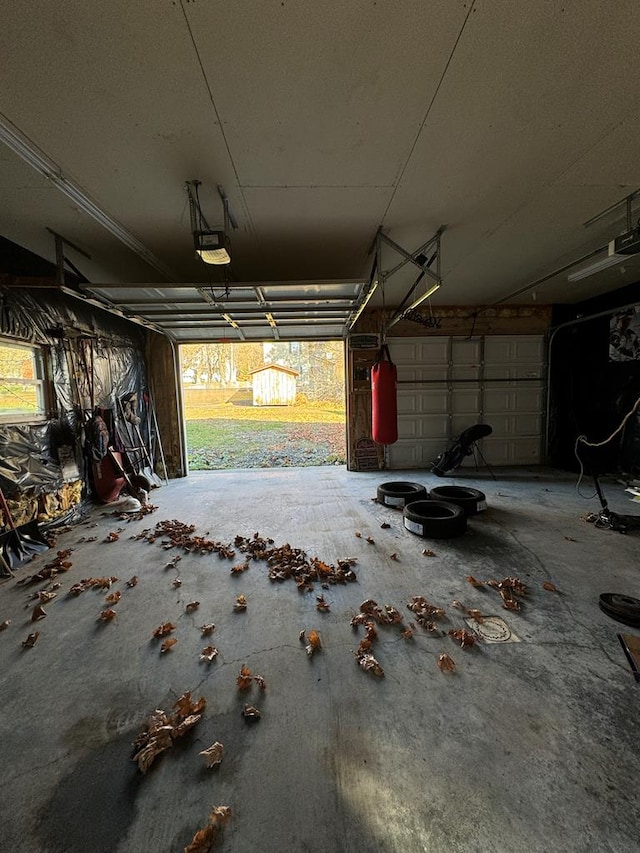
380	275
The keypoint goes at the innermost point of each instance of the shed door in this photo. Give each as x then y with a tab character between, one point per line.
445	384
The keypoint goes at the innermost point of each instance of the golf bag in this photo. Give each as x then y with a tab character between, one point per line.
462	446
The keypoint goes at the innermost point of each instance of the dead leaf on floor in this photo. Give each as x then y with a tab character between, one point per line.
474	582
240	568
244	679
204	839
550	587
427	552
209	653
4	625
46	596
369	664
302	636
407	634
167	644
446	663
163	630
207	629
358	534
570	539
385	525
31	640
107	615
177	583
465	638
259	680
191	606
213	754
251	713
114	597
321	604
132	581
112	536
38	613
241	604
161	729
371	540
314	643
394	556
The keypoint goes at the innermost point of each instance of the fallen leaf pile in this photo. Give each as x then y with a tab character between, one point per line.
204	839
426	614
162	729
287	562
92	583
508	588
51	569
176	534
371	613
466	638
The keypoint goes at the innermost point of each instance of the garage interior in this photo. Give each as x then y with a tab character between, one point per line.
454	180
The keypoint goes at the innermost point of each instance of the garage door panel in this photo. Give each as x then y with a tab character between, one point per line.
495	380
433	401
426	426
466	400
527	424
466	359
520	349
411	455
513	398
500	451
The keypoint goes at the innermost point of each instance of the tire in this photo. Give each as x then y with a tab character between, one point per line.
472	501
399	494
435	519
622	608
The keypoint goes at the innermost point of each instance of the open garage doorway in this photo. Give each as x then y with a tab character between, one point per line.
264	405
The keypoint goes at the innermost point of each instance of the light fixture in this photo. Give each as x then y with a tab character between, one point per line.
597	266
424	296
212	246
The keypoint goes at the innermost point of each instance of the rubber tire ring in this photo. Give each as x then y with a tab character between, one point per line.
400	493
435	519
472	501
622	608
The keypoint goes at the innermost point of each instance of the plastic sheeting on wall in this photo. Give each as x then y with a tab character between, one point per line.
93	360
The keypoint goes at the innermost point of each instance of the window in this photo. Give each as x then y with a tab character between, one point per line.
22	396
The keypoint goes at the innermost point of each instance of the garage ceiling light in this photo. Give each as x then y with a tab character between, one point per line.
597	266
213	247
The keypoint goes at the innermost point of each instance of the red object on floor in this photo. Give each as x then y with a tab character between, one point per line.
106	480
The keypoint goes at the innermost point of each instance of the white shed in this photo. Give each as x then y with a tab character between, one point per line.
274	385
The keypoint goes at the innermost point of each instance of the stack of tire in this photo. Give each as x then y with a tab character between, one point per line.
439	514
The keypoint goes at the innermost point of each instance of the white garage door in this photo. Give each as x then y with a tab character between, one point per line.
446	384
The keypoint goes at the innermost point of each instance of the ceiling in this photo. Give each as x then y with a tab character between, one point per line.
509	124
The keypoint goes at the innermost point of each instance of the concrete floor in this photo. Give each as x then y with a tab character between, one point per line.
530	746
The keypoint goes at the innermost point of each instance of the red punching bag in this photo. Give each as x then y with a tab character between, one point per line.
384	407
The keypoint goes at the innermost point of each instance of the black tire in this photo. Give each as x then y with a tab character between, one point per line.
434	519
622	608
399	494
472	501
